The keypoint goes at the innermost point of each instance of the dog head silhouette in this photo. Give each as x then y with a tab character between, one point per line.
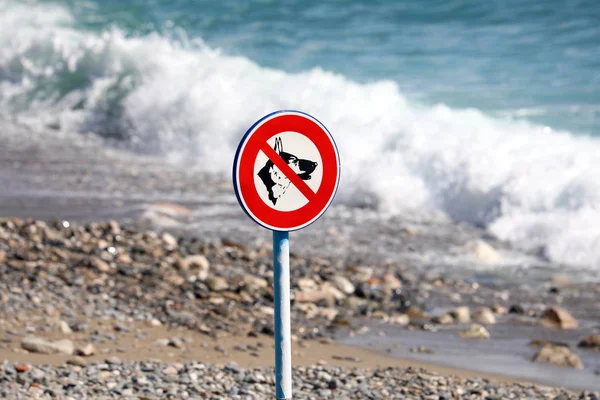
275	181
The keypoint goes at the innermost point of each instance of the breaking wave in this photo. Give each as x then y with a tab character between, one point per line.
171	95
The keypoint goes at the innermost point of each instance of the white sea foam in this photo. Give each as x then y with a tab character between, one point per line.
525	183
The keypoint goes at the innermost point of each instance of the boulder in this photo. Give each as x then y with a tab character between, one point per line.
558	355
557	317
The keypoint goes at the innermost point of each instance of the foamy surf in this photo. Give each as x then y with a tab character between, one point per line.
528	184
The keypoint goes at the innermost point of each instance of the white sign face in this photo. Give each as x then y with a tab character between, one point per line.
302	155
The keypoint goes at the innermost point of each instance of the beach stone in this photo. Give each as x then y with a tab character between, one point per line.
176	342
114	360
558	355
306	284
483	251
328	313
590	343
542	342
100	264
175	279
327	293
86	351
3	256
37	374
390	281
484	316
170	370
500	310
42	346
363	274
255	283
414	312
475	331
343	284
399	320
22	368
516	309
60	326
217	283
169	240
78	361
161	342
462	315
198	262
444	319
557	317
332	291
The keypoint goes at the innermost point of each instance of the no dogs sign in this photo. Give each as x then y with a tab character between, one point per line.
285	174
286	170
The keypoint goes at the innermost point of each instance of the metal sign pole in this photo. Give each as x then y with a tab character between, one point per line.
283	343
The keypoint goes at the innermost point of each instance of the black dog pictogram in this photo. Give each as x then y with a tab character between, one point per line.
275	181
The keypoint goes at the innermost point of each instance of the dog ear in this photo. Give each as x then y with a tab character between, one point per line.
278	145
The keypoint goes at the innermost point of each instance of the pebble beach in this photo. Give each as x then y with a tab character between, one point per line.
105	310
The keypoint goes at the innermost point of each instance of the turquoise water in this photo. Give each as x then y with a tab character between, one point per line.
535	60
485	112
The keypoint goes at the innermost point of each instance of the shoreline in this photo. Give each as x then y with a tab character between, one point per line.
122	289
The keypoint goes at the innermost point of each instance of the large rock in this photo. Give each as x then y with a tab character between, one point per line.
590	343
484	316
342	284
557	317
483	251
558	355
42	346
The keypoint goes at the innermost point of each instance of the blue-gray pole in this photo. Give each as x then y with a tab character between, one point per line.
283	343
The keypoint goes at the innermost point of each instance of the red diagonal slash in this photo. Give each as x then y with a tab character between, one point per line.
288	172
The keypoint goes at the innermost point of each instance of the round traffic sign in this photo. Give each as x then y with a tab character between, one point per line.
286	170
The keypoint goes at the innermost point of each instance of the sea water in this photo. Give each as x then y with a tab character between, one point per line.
485	112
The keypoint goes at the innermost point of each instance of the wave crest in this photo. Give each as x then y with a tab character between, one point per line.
526	183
